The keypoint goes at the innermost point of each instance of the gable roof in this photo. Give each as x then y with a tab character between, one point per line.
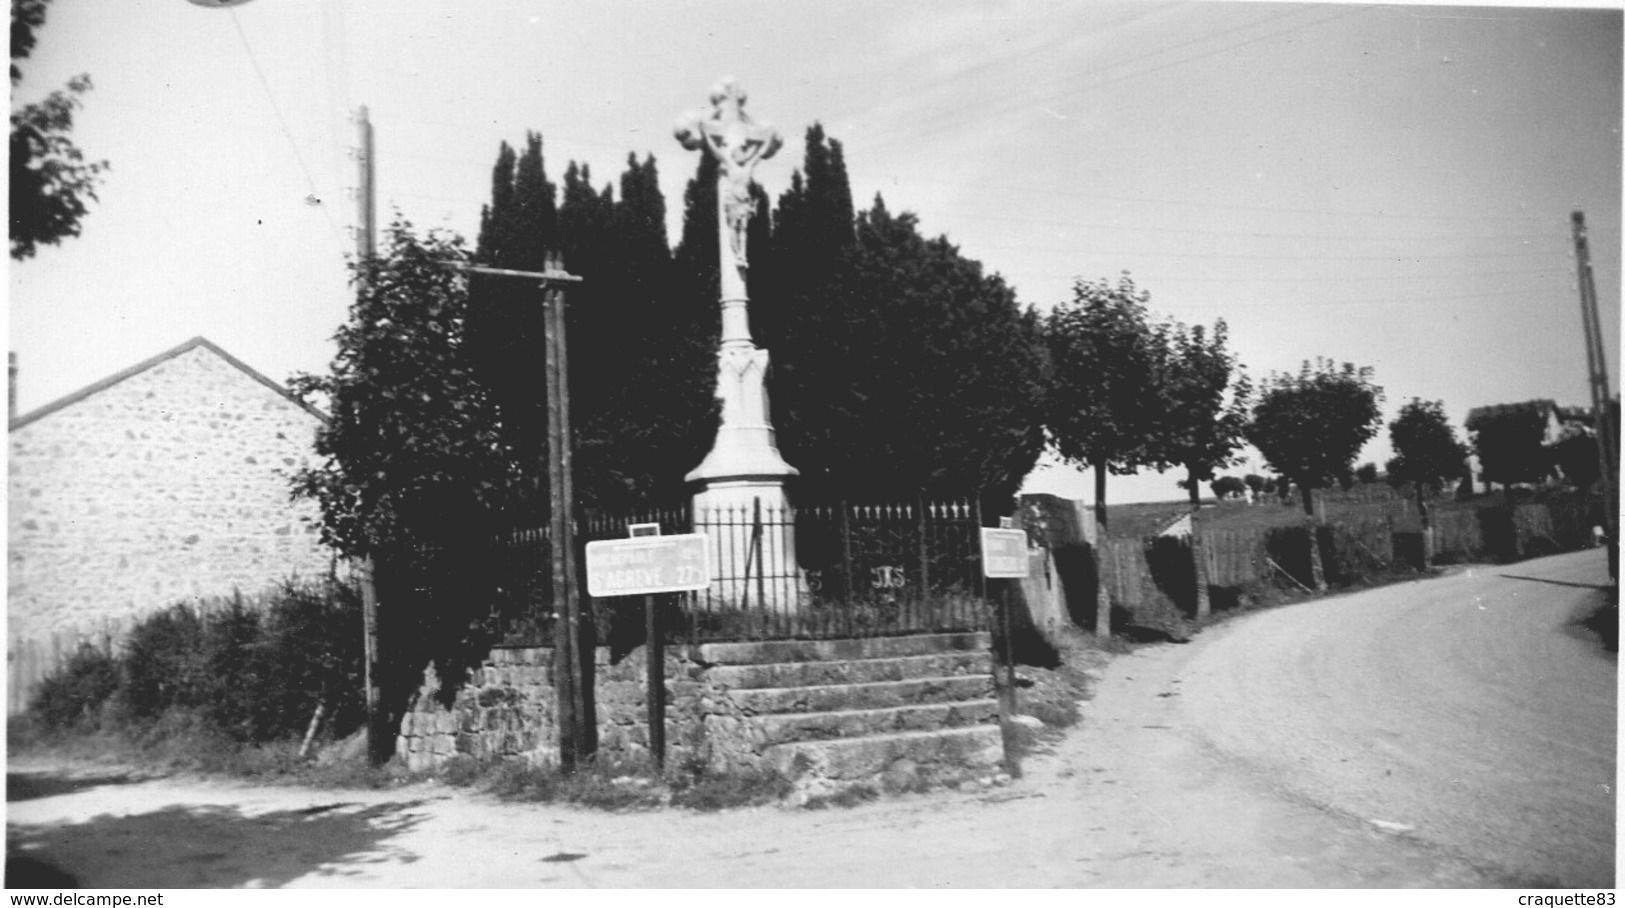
144	365
1539	407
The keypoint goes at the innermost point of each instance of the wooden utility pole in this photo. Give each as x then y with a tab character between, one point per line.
378	748
570	664
1597	375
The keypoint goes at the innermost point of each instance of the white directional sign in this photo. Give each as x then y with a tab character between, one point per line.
1004	553
648	564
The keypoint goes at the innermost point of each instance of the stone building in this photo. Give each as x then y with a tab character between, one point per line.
165	482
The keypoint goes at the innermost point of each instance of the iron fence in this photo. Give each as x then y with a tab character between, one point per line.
814	572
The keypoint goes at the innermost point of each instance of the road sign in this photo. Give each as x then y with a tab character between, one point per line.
648	564
1004	553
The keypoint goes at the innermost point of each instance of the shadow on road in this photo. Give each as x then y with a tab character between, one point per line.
208	846
1583	586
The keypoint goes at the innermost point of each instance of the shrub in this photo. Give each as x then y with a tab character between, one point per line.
73	695
160	665
460	771
246	674
309	653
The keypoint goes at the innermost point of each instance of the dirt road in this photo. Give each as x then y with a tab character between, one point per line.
1261	755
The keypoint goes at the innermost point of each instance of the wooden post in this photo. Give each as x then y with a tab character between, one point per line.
378	744
1103	599
1597	373
576	731
377	725
1007	696
656	646
570	664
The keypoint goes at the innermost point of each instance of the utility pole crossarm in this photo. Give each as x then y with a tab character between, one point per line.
554	274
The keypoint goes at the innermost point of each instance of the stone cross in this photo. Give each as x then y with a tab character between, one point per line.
729	134
744	471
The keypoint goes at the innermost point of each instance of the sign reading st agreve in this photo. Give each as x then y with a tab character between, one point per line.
648	564
1004	553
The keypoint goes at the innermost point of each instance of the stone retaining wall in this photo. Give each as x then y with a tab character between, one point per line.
508	709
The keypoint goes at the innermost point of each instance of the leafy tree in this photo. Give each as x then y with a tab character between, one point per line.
1106	403
933	373
50	178
1204	412
1575	455
1509	440
1367	473
1228	486
1257	483
1107	363
1312	425
415	470
1427	455
1205	406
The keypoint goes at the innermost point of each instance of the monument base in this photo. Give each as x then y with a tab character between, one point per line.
753	547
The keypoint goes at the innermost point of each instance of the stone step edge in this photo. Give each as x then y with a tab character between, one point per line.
984	740
918	658
790	718
864	686
846	649
980	729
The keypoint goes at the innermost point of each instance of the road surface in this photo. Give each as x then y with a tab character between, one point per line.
1453	732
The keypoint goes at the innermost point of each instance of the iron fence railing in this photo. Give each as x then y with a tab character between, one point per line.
820	571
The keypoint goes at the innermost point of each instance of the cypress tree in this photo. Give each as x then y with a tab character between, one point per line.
803	314
505	318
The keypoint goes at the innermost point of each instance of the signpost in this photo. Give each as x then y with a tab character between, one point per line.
646	564
1004	553
1004	557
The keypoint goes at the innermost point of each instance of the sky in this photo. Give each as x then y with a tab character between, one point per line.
1384	185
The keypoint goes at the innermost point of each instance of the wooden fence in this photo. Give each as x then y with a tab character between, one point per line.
30	658
1151	581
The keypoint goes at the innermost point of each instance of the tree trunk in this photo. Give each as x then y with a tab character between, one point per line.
1103	600
1427	526
1317	518
1203	604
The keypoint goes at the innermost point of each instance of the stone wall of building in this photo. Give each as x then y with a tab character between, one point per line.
167	484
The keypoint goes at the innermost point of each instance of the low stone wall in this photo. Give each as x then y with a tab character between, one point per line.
507	709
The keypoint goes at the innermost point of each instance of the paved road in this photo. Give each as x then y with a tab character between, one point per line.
1467	708
1459	712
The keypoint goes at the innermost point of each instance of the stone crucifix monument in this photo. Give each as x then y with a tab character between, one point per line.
744	469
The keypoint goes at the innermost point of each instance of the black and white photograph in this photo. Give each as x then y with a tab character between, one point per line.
1133	446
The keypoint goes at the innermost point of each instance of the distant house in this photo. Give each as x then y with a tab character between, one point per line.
165	482
1557	424
1549	414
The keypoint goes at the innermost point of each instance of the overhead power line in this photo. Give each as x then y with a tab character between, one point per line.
282	122
1299	301
913	131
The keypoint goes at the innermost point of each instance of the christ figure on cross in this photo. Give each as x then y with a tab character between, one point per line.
737	142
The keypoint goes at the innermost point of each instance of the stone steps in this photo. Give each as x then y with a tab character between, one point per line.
887	713
770	651
783	728
859	671
899	761
865	695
